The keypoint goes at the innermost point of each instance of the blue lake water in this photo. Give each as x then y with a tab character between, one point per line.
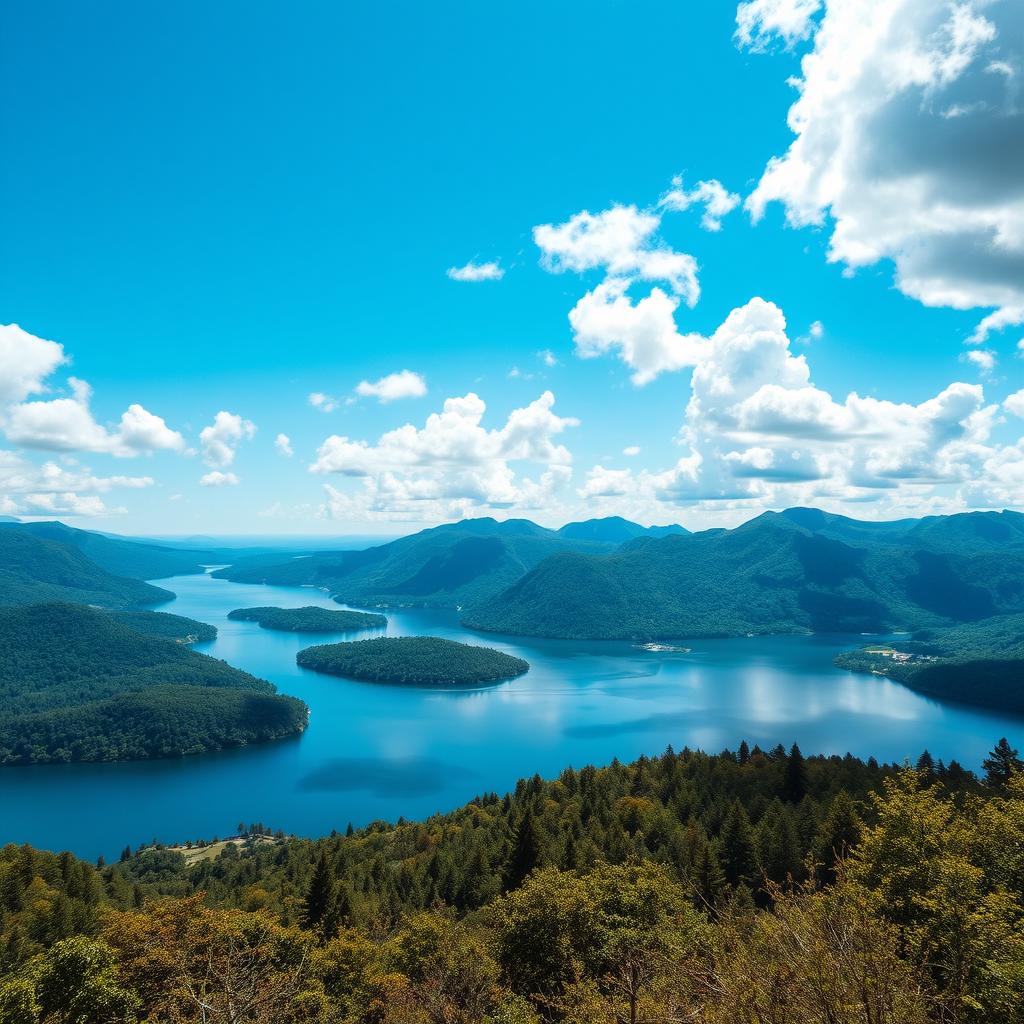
374	751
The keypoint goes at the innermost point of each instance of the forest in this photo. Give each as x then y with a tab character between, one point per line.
413	661
310	619
748	886
78	685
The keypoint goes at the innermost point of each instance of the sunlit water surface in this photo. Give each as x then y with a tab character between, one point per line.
377	751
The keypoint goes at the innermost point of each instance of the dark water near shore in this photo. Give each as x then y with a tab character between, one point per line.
375	751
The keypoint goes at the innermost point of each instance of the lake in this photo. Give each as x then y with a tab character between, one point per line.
375	751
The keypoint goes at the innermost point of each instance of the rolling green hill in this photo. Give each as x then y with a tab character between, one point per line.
179	628
119	555
456	565
77	685
413	661
615	530
975	663
35	569
770	575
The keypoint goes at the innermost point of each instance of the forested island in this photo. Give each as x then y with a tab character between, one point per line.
78	685
413	661
310	619
748	886
977	663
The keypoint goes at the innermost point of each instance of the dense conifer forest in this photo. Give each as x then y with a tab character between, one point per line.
413	661
78	685
310	619
749	886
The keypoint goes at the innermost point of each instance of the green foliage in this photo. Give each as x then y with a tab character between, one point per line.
33	570
309	619
771	575
976	663
451	566
77	685
166	626
135	559
413	661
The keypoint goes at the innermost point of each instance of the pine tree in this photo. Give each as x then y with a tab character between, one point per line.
1001	764
736	851
526	852
840	833
794	782
320	893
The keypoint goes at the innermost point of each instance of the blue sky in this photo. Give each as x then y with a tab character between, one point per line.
227	210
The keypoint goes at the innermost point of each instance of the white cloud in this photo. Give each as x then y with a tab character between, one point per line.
325	403
982	358
215	478
404	384
642	334
817	330
25	363
712	195
623	241
547	357
284	445
452	464
909	139
67	424
632	450
220	440
606	483
54	489
473	271
1015	403
758	22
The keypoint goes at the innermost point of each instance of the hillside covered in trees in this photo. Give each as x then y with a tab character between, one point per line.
778	573
310	619
167	626
449	566
744	887
413	661
77	685
35	569
975	663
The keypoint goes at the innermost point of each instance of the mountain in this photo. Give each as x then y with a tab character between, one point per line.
770	575
455	565
77	685
34	569
976	663
614	530
118	555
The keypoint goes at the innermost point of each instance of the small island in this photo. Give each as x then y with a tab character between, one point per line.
413	661
309	619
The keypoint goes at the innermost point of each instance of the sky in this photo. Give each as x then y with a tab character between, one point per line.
336	268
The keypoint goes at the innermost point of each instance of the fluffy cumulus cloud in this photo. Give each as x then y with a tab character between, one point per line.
218	478
404	384
53	489
759	23
909	139
283	444
716	199
325	403
67	424
25	363
220	440
758	432
451	465
473	271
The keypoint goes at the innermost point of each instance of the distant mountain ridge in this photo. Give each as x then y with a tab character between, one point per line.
34	569
454	565
799	570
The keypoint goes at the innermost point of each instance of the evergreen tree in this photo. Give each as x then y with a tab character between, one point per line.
526	852
320	893
840	833
794	782
1001	764
736	851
